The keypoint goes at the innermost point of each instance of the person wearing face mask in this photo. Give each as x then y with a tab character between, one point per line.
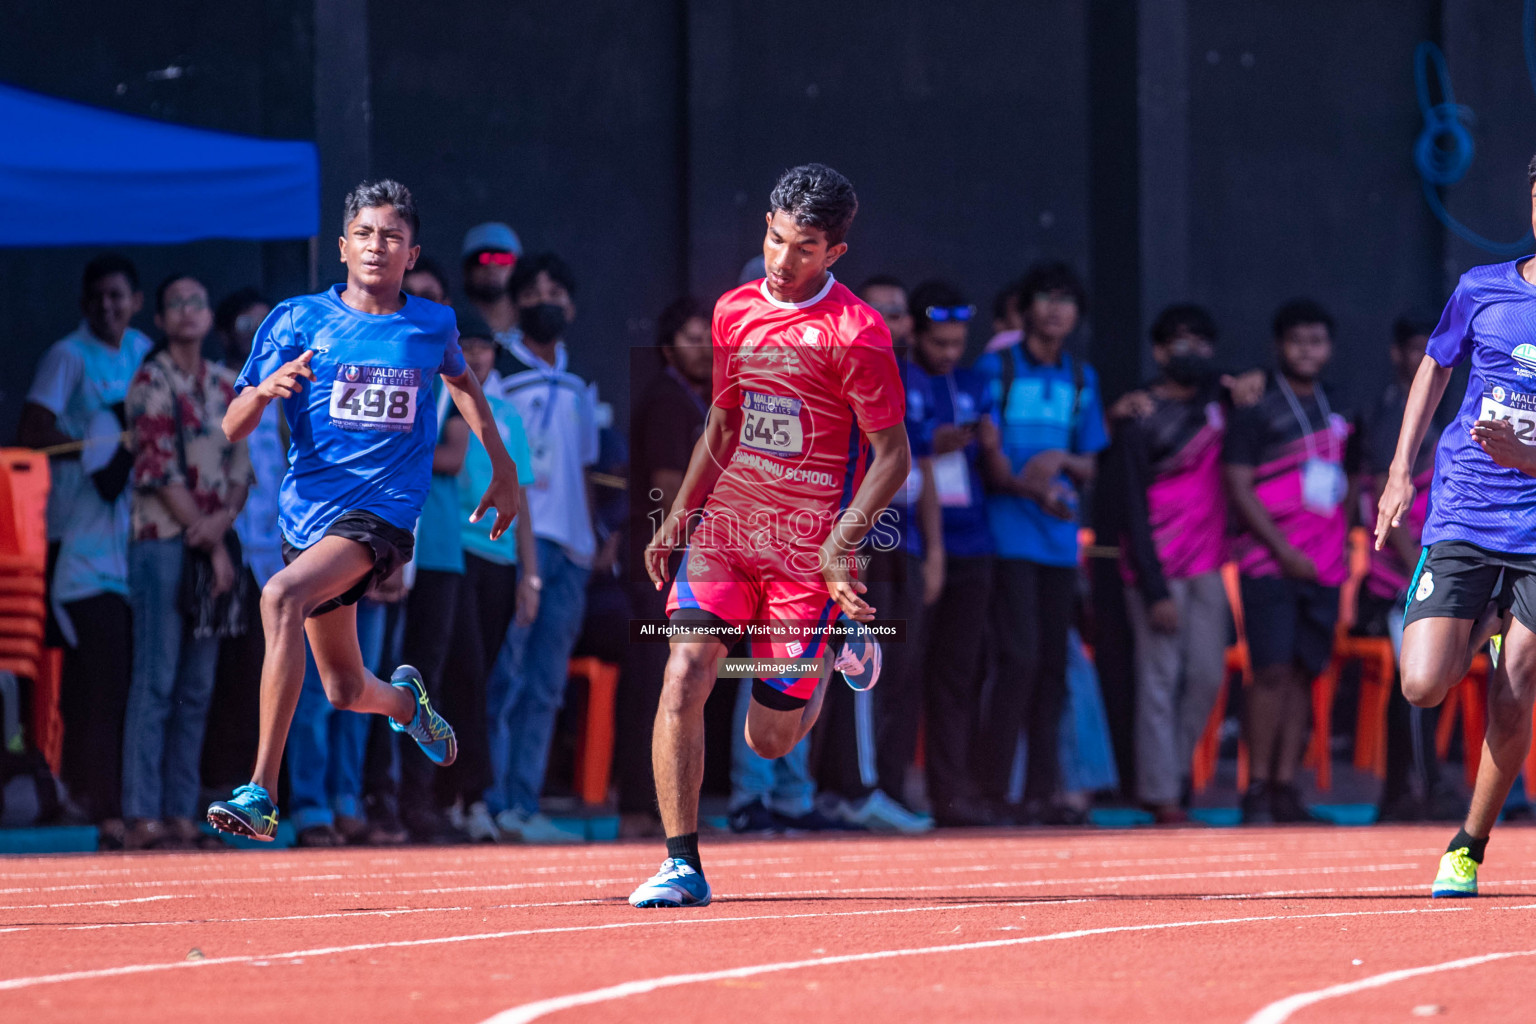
1174	525
558	409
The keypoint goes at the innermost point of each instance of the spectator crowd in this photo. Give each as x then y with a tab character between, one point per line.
1017	693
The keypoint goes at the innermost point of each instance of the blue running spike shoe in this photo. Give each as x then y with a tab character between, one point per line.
675	885
250	813
427	728
859	658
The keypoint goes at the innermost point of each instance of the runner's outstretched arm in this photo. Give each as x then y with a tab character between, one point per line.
710	456
503	493
887	473
244	413
1423	398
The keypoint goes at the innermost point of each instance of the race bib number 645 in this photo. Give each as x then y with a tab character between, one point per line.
1519	409
375	397
771	424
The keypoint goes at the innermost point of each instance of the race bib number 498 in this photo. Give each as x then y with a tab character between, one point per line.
1519	409
771	424
375	397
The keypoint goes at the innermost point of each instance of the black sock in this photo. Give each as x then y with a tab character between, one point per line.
686	849
1475	847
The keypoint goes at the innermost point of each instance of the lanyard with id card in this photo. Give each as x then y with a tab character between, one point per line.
952	470
1323	484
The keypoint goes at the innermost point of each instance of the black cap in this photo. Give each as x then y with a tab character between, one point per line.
473	325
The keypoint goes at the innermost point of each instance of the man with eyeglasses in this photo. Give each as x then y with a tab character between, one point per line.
490	254
1052	427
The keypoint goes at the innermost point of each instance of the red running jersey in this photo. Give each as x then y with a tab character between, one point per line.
810	378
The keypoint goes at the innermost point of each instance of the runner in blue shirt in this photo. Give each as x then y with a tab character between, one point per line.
360	466
1479	557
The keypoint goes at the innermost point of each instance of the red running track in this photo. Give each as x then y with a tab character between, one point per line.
1262	925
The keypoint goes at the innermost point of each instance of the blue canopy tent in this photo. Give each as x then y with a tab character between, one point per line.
76	175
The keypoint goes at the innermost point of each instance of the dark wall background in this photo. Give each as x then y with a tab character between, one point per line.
1234	153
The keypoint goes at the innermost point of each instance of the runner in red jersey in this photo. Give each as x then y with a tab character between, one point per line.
804	378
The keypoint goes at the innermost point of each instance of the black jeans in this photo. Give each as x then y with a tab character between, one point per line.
234	714
957	625
645	664
487	600
869	740
430	613
1032	608
93	696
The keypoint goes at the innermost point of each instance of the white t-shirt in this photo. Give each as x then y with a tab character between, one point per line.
558	412
79	379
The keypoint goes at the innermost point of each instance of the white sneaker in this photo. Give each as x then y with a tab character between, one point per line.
509	823
477	823
455	815
879	813
537	828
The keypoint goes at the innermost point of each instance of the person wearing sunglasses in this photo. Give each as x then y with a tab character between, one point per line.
490	253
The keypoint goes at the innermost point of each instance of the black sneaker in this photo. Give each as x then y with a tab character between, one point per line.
1403	807
754	819
813	821
1285	805
1257	804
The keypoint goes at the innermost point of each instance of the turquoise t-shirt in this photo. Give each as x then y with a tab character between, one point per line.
475	477
438	547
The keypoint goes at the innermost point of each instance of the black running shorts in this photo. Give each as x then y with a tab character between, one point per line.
1457	580
391	547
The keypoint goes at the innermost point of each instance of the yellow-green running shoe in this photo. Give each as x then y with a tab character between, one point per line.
1458	874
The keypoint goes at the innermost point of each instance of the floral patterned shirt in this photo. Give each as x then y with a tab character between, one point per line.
160	395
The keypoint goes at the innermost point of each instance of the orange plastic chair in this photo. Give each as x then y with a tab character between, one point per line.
21	627
594	743
1207	750
24	484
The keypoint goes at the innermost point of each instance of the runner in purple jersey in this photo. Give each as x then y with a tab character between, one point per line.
1479	558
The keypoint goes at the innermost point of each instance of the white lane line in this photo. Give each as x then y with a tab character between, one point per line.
238	920
543	1007
1280	1011
659	920
1044	859
103	903
871	890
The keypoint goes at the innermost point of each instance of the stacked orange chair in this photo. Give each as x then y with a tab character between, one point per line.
1378	675
1208	749
23	591
594	741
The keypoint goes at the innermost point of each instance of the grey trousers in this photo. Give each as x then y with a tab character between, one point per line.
1177	678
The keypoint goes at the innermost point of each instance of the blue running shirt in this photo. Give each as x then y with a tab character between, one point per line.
363	430
1492	318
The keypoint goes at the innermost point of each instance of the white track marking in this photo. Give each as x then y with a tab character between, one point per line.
1280	1011
653	921
190	873
543	1007
238	920
872	890
103	903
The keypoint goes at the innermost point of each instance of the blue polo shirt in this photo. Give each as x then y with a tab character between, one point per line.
962	396
1044	411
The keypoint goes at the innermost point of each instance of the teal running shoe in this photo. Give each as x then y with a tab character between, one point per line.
427	728
1458	874
675	885
859	659
250	813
